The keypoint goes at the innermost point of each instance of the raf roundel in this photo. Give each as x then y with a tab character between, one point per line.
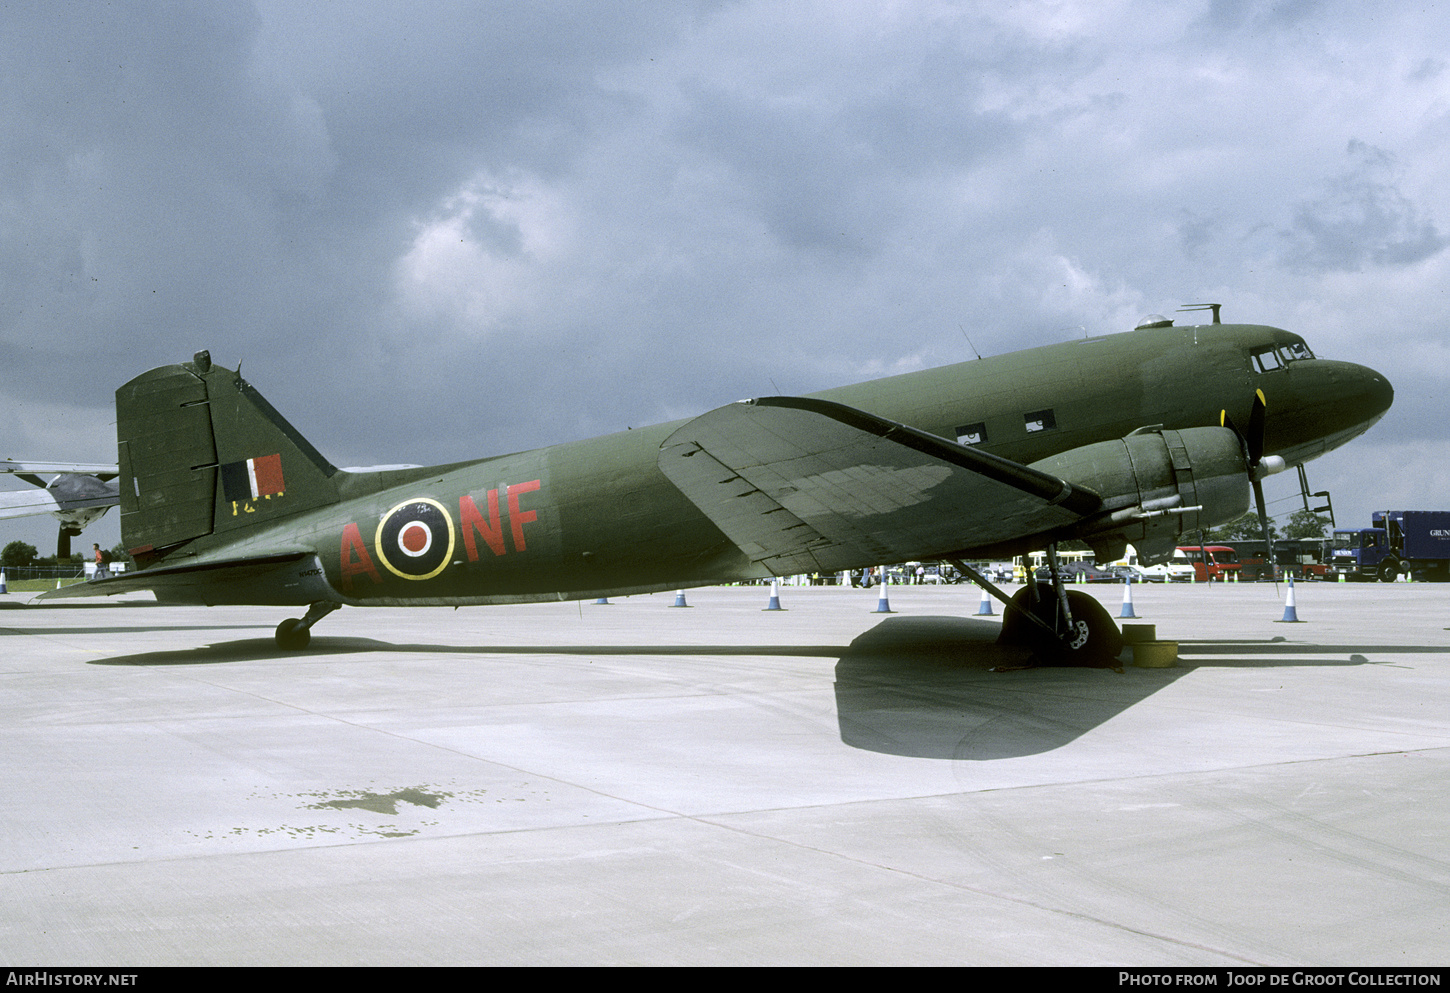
415	539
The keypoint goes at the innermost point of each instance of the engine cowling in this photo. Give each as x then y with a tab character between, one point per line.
1156	484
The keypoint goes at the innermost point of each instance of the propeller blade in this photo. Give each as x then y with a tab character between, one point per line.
1264	527
62	546
1255	437
1228	422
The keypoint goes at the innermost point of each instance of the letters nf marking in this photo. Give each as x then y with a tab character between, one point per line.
490	528
517	518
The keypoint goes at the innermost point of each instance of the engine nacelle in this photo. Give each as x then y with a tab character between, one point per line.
1156	484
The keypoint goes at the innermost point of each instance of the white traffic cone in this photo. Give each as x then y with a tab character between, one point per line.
604	600
679	599
1127	610
1291	616
984	609
774	602
3	588
883	605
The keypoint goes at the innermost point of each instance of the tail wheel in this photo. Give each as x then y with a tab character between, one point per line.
293	635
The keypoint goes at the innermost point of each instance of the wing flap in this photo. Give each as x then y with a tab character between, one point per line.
763	529
804	485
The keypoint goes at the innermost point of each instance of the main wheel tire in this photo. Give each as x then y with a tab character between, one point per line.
1095	641
292	635
1017	629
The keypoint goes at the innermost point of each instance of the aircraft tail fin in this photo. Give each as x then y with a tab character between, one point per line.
201	452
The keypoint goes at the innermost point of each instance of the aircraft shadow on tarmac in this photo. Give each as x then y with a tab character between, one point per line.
133	629
915	686
925	687
265	649
32	605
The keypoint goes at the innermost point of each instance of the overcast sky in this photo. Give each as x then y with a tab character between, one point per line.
432	231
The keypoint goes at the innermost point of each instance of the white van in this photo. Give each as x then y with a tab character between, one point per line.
1176	570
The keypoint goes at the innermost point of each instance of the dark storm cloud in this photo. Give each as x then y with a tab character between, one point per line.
833	157
1239	15
1361	218
418	95
145	171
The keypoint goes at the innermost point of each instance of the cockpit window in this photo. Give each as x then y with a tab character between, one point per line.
1271	358
1267	360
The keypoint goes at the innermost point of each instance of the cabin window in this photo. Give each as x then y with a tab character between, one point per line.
972	434
1040	420
1297	350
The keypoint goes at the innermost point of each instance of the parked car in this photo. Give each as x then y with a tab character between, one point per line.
1176	570
1093	573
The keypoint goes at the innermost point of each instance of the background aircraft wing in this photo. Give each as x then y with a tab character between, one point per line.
27	503
804	485
102	469
77	495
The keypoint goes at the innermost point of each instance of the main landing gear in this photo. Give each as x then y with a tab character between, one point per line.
295	634
1062	627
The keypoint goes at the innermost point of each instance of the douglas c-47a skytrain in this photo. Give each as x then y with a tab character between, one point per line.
1135	437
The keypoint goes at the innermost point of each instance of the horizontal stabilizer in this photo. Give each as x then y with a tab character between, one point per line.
805	485
287	578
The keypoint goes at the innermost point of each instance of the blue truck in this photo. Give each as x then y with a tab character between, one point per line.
1413	542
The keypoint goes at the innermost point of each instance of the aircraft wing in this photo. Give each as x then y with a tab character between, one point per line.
804	485
27	503
92	468
76	499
